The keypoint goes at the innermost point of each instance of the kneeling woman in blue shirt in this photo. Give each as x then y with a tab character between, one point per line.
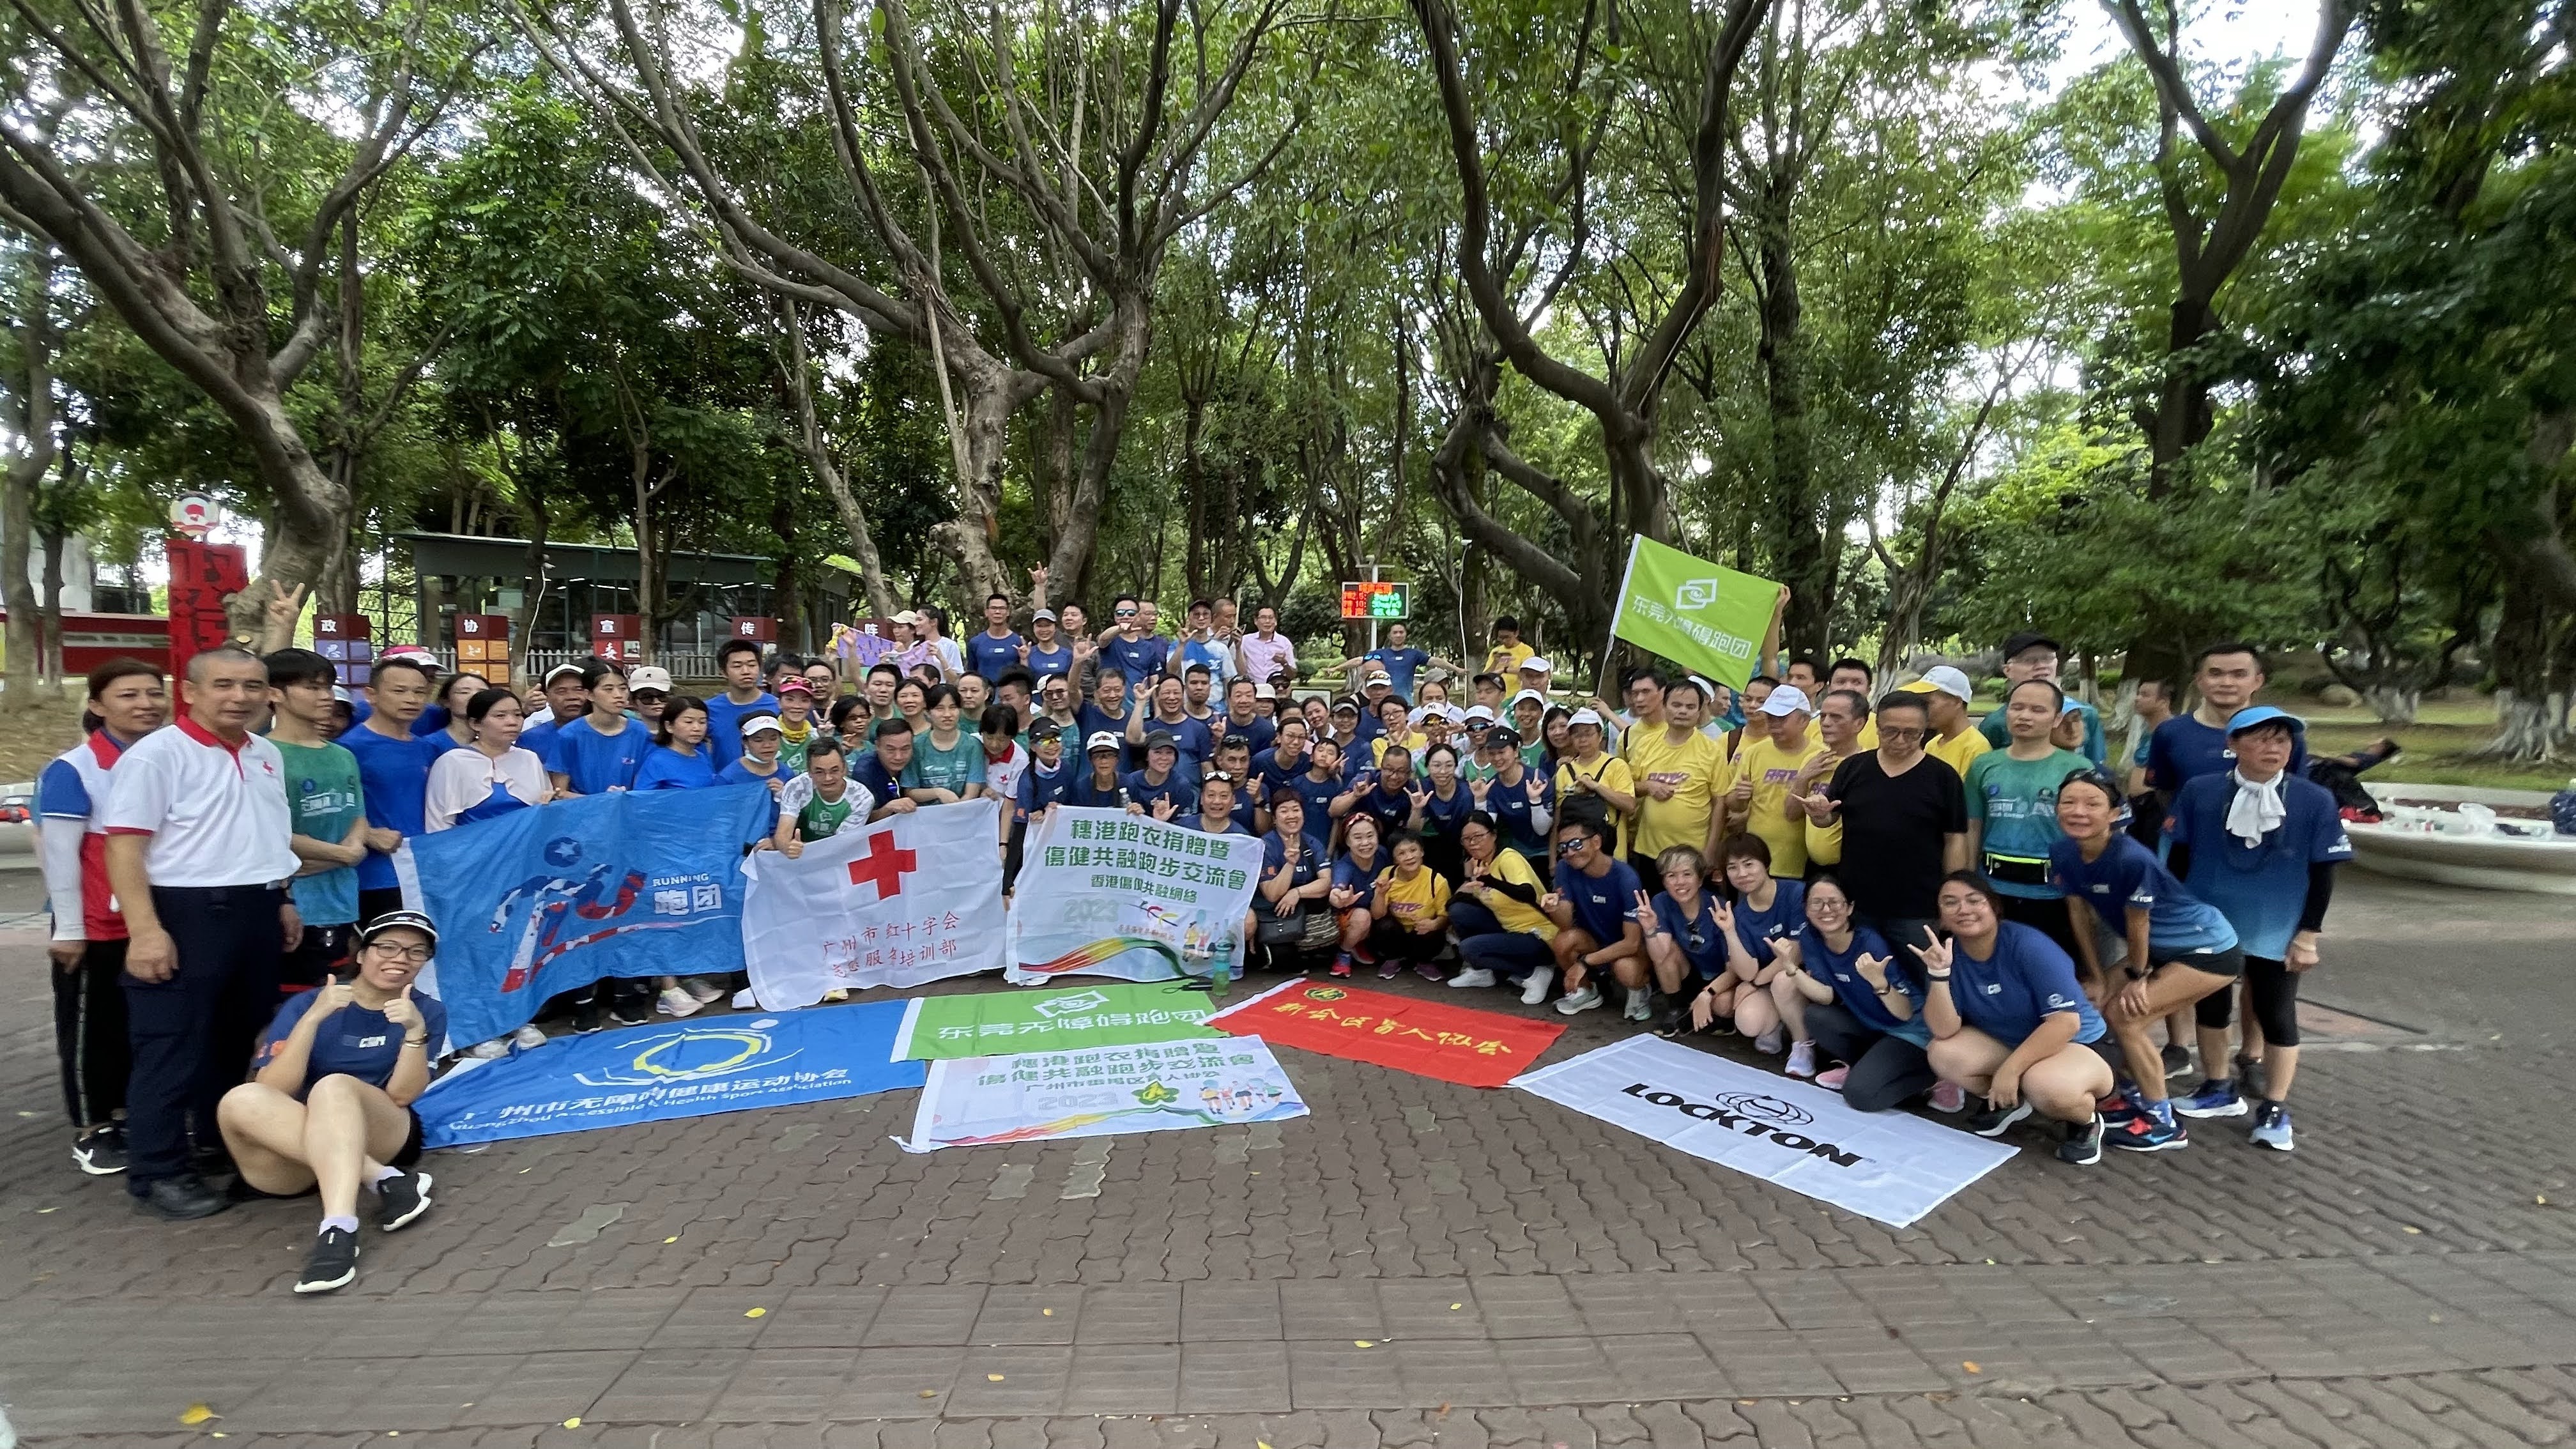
1861	1006
2010	1021
328	1106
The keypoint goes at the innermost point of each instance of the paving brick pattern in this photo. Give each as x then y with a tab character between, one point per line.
1417	1263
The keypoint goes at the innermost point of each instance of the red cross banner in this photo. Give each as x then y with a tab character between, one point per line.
1427	1038
912	899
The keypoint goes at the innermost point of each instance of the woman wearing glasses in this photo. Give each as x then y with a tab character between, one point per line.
328	1105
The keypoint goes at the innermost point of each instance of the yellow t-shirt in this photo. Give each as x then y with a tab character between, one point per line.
1408	901
1506	661
1770	768
1608	770
1694	768
1960	753
1413	745
1511	868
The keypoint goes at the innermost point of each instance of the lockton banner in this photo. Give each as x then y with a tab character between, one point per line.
1883	1165
989	1023
914	898
1703	617
1105	893
1101	1091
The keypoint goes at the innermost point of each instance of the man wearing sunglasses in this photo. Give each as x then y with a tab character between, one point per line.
1593	905
1130	646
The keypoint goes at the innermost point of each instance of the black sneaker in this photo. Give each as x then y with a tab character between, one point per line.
401	1198
100	1151
632	1013
177	1199
1991	1120
2177	1059
332	1263
588	1017
2083	1144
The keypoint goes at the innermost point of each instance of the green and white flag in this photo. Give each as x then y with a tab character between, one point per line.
1704	617
1000	1023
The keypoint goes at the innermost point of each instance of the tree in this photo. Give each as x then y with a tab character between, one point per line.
204	203
34	335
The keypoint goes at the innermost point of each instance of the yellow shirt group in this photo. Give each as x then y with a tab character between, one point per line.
1605	769
1960	753
1782	826
1694	768
1424	896
1520	918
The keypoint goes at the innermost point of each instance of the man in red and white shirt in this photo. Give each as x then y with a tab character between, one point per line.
126	702
198	853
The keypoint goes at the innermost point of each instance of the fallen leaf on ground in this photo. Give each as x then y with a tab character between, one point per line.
756	1313
197	1414
1971	1366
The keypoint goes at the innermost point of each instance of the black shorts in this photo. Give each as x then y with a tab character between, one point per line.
409	1153
2229	962
322	952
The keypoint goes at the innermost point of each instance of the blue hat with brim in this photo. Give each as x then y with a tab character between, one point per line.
2263	714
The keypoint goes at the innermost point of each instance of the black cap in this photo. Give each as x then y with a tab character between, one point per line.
406	920
1161	740
2029	639
1502	737
1046	729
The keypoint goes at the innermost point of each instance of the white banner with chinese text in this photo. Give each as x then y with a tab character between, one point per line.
1100	1091
1105	893
914	898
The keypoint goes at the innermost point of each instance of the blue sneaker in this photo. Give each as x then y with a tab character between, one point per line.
2213	1098
2272	1126
2151	1131
2122	1108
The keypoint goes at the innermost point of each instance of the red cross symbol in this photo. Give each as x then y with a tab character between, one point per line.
883	866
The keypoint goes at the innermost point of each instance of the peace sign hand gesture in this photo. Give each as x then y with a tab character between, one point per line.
1645	912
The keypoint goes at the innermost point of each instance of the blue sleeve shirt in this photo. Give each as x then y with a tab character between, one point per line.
1185	800
2262	889
668	769
2128	874
594	763
988	656
1349	874
1841	971
870	772
1274	856
724	724
1603	904
394	777
2028	980
1511	805
2182	749
1702	944
355	1042
1401	665
1761	930
1059	660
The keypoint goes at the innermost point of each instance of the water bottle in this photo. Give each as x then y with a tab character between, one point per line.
2562	809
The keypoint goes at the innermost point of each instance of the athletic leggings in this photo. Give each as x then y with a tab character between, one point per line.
1482	942
2276	1002
1885	1070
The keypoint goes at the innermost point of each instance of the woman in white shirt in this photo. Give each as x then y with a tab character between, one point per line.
491	776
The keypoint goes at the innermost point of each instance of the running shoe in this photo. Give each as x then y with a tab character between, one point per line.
1388	968
2124	1106
2083	1144
1428	970
401	1198
489	1051
331	1264
1802	1060
2177	1059
675	1002
1641	1005
707	992
2250	1080
1949	1098
1541	979
1342	964
529	1036
588	1017
1472	977
1832	1078
100	1151
2272	1126
2213	1098
1991	1120
1771	1043
2151	1131
634	1012
1575	1003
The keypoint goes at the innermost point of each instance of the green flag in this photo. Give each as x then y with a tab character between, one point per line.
1706	618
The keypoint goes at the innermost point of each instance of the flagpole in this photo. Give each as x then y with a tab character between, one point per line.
1601	676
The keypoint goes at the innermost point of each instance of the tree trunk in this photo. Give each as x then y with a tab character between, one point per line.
1806	556
2528	728
810	444
2394	704
30	395
1194	490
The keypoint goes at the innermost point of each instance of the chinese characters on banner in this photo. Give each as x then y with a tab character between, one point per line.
1105	893
202	576
915	898
1705	617
1100	1091
1082	1016
1426	1038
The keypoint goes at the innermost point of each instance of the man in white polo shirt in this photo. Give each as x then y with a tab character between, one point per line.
198	851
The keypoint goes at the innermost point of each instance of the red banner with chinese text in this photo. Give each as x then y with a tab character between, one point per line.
202	577
1426	1038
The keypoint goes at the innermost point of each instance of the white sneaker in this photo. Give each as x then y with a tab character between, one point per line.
1770	1042
1472	976
707	992
1576	1002
529	1036
1802	1060
1641	1005
497	1047
1540	979
1949	1097
675	1001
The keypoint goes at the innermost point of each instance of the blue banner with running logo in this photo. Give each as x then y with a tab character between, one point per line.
537	902
657	1073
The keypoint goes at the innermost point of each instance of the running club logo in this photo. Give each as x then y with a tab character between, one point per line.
1071	1004
693	1054
1695	593
563	909
1754	1115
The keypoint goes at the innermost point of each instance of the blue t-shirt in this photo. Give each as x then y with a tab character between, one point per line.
2261	889
1318	794
1092	720
2128	874
2028	979
1183	795
1841	971
1511	805
1233	824
2095	749
1391	812
2183	749
354	1042
739	773
1260	730
1092	797
1444	819
394	776
1218	659
1350	875
1139	659
1603	903
1274	857
1702	944
871	774
431	721
724	724
668	769
1189	737
1400	666
594	763
1275	773
1059	660
1761	930
988	656
1040	789
537	737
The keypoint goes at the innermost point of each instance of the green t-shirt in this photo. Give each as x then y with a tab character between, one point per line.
822	819
954	768
324	798
2017	801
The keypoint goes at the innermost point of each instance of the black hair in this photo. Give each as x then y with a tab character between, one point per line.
678	705
1744	845
895	726
1906	699
1686	682
1809	660
843	707
428	671
484	699
1847	662
886	667
1442	748
1123	599
448	685
1484	818
732	647
824	745
1976	881
2059	695
2231	646
999	719
1826	877
124	666
1646	671
2099	779
1018	674
1005	598
299	666
1772	680
1859	701
1503	622
1183	676
593	673
933	696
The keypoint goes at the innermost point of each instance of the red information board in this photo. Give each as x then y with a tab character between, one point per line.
617	636
202	577
347	641
758	630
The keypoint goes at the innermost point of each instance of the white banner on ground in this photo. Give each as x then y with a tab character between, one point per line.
1099	1092
914	898
1105	893
1882	1165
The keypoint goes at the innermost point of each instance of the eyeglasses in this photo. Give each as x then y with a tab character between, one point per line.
1885	733
392	952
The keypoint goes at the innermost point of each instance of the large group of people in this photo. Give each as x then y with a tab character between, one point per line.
1900	901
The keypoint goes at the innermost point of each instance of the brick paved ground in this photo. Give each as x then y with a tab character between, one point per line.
1415	1264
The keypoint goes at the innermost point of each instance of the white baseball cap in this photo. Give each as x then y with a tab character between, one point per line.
1102	740
1477	712
1537	664
1586	716
1943	679
756	723
1380	676
651	676
1530	694
1262	690
1785	700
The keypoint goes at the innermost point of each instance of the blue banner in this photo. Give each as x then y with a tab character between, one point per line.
657	1073
537	902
